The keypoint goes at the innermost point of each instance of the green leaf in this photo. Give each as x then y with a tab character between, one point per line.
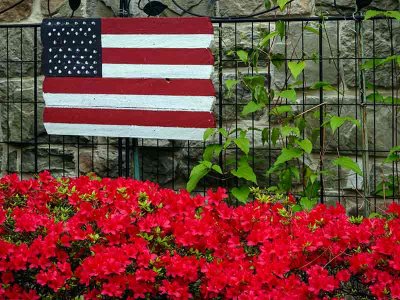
373	63
290	131
347	163
211	151
267	38
197	173
324	85
296	67
288	94
245	171
276	132
243	56
295	172
288	154
265	135
253	81
300	123
223	132
217	169
251	107
297	208
243	143
282	4
228	142
279	110
393	14
393	156
278	59
281	28
230	83
241	193
306	145
371	14
307	203
267	4
260	94
311	29
209	132
207	163
313	177
336	122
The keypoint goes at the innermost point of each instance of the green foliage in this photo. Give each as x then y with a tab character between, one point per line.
296	67
251	107
288	94
378	13
282	4
347	163
293	133
245	171
241	193
336	122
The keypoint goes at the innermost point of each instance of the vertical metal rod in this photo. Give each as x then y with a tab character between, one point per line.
21	104
119	157
321	112
136	161
8	99
35	100
220	92
127	157
364	125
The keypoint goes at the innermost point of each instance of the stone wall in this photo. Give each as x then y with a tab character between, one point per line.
169	162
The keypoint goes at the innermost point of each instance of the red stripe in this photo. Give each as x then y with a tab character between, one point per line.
129	117
126	86
156	26
157	56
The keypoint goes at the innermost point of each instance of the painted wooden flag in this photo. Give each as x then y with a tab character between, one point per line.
128	77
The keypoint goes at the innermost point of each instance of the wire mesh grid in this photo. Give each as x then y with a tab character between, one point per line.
328	46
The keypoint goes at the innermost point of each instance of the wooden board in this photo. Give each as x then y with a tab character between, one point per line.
128	77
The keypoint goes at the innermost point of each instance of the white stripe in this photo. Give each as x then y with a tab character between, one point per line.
157	71
156	40
151	132
154	102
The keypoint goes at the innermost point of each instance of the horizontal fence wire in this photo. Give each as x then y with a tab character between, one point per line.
329	48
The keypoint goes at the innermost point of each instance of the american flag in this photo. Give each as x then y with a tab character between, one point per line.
128	77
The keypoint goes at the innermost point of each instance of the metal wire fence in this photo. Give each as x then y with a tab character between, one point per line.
330	48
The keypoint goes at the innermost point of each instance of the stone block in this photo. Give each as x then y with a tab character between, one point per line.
381	123
247	7
17	90
18	13
97	9
51	7
17	121
160	164
134	10
101	160
348	6
238	37
302	44
204	8
9	159
378	41
16	52
57	159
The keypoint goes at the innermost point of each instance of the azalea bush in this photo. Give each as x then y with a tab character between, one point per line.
94	238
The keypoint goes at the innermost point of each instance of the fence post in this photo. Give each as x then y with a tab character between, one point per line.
363	108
